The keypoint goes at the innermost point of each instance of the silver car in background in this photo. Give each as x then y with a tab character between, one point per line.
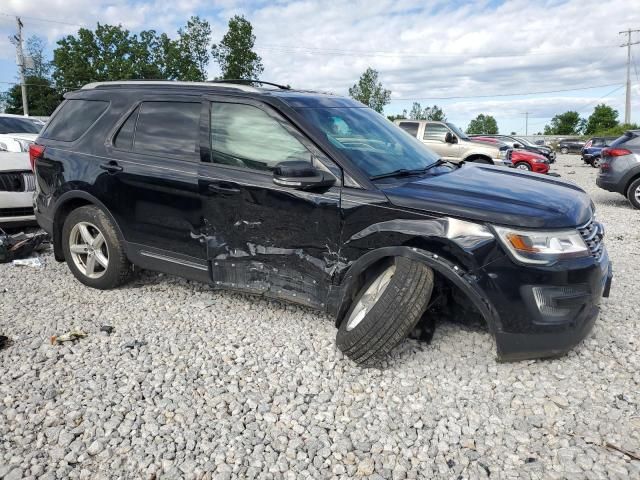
620	167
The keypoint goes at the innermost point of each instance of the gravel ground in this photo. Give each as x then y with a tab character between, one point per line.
224	385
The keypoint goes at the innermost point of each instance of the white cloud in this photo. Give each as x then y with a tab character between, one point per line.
440	49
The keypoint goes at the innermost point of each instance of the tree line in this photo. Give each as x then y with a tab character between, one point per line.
111	52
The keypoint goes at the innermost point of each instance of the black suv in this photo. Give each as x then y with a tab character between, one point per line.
315	199
570	145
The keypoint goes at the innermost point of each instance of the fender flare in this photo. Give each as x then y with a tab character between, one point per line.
629	177
64	199
466	281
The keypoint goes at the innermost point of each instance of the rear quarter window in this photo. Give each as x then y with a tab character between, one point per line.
410	127
74	118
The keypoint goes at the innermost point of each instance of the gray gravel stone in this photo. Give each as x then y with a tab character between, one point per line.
231	386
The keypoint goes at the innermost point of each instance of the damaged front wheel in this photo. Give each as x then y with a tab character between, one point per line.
387	308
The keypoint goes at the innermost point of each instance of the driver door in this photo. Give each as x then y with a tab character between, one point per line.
434	137
261	237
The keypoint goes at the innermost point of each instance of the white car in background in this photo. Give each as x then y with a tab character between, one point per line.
17	184
17	132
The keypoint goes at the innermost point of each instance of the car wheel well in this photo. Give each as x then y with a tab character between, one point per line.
628	185
448	300
479	158
62	212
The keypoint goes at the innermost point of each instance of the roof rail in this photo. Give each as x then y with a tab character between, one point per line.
249	82
169	83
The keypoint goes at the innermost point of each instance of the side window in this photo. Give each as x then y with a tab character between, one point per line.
410	127
245	136
435	132
124	137
168	128
73	119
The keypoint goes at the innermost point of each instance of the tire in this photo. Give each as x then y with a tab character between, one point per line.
523	166
564	150
91	234
392	315
595	163
633	193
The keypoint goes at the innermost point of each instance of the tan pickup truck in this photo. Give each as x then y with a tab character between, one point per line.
450	143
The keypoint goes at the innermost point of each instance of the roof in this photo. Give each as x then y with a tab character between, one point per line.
294	98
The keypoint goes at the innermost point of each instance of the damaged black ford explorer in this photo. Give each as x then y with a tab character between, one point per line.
315	199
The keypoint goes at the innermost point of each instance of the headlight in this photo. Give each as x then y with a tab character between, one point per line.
502	154
24	144
540	247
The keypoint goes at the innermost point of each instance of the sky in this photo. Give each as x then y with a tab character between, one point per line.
558	55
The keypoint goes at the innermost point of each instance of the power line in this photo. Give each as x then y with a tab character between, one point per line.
48	20
510	94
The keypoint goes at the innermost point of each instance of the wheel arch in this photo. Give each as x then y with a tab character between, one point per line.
630	177
475	156
68	202
442	264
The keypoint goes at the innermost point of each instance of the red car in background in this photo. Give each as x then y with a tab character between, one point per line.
522	159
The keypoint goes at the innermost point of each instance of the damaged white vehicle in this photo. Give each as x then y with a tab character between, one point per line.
17	184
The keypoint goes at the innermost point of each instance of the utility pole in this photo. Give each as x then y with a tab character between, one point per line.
17	41
526	123
627	105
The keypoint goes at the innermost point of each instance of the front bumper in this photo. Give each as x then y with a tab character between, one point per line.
16	208
545	324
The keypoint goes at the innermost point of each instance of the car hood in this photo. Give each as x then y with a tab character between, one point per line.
497	195
14	161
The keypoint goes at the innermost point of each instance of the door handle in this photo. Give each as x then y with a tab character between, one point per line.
213	187
111	167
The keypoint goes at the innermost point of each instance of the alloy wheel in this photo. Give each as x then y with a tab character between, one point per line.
88	249
370	297
523	166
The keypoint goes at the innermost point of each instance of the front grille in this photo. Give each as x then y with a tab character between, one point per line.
593	234
16	212
17	182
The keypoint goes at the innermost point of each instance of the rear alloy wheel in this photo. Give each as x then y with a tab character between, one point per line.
564	150
595	163
633	193
387	308
93	249
523	166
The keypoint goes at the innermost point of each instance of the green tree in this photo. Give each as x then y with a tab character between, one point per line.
235	53
42	97
35	47
113	53
434	113
483	124
603	118
370	91
567	123
193	42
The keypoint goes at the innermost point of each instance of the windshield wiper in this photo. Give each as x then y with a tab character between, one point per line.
403	172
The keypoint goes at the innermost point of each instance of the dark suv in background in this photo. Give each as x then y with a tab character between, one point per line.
570	145
620	167
315	199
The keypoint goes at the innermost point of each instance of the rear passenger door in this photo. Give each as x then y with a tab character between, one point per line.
261	237
151	182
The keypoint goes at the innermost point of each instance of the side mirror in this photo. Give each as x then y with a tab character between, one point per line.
301	175
517	145
450	138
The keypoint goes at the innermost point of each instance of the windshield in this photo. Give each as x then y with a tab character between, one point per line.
18	125
458	132
369	140
524	141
